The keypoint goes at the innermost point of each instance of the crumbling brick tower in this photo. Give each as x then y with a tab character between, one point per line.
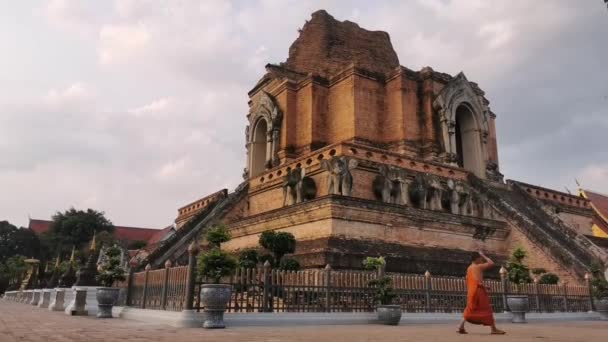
357	156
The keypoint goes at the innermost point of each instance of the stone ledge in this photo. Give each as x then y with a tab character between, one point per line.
313	318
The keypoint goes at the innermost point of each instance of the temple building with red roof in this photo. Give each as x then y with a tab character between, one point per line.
150	236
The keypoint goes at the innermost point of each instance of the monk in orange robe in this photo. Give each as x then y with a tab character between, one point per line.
479	309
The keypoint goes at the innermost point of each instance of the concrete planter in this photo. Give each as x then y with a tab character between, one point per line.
389	314
601	306
214	298
106	298
518	305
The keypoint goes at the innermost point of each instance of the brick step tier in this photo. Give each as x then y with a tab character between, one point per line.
565	245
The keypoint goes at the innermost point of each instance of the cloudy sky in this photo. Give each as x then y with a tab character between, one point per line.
136	107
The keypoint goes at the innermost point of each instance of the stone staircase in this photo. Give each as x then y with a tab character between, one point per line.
571	249
175	248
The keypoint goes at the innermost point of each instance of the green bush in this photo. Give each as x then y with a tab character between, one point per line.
278	243
216	264
110	271
549	278
384	294
519	273
267	257
289	265
248	258
217	234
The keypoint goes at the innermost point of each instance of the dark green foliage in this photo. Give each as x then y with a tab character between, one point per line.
12	271
267	257
76	227
278	243
519	273
538	271
599	285
110	271
18	241
384	292
383	284
216	264
217	234
137	245
289	265
248	258
549	278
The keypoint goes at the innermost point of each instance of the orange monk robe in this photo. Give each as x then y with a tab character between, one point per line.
479	309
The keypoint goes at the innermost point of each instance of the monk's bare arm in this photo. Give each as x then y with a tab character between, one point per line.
488	264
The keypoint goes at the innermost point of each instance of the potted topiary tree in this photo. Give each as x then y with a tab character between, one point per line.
387	312
518	273
213	266
599	291
109	272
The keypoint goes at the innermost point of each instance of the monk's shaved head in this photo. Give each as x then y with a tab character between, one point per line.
475	256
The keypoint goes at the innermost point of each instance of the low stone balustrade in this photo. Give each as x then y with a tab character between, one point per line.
57	299
45	299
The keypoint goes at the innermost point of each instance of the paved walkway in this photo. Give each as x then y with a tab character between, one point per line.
25	323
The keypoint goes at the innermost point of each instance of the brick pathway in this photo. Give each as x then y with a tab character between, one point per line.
25	323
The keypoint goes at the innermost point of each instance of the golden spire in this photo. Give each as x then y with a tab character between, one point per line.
73	257
94	242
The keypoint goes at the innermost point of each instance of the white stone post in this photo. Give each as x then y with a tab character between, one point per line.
57	302
45	299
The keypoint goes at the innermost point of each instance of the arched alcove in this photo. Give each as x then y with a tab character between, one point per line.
468	141
259	148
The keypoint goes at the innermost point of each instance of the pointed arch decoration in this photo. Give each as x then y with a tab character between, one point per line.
267	116
459	93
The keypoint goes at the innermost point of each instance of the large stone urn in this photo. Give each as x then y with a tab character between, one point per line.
601	306
389	314
106	298
214	298
518	305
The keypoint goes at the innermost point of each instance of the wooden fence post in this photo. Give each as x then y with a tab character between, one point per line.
163	301
190	277
590	290
565	291
427	283
144	292
267	287
504	287
129	286
327	288
536	294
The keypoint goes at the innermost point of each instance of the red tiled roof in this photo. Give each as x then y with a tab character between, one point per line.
39	226
600	203
129	234
160	235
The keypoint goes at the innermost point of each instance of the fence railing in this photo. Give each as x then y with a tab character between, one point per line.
264	289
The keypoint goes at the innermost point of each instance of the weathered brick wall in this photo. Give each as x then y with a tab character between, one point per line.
538	258
326	46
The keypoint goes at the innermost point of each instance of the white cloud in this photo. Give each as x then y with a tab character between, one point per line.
155	107
122	43
71	15
158	115
594	177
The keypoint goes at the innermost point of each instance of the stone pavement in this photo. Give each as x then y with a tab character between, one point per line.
25	323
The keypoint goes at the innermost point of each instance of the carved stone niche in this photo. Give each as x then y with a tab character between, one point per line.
298	187
391	185
340	178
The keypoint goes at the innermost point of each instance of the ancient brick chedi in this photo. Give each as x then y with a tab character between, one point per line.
357	155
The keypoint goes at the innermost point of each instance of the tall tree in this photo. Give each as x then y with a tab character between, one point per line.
76	228
15	241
